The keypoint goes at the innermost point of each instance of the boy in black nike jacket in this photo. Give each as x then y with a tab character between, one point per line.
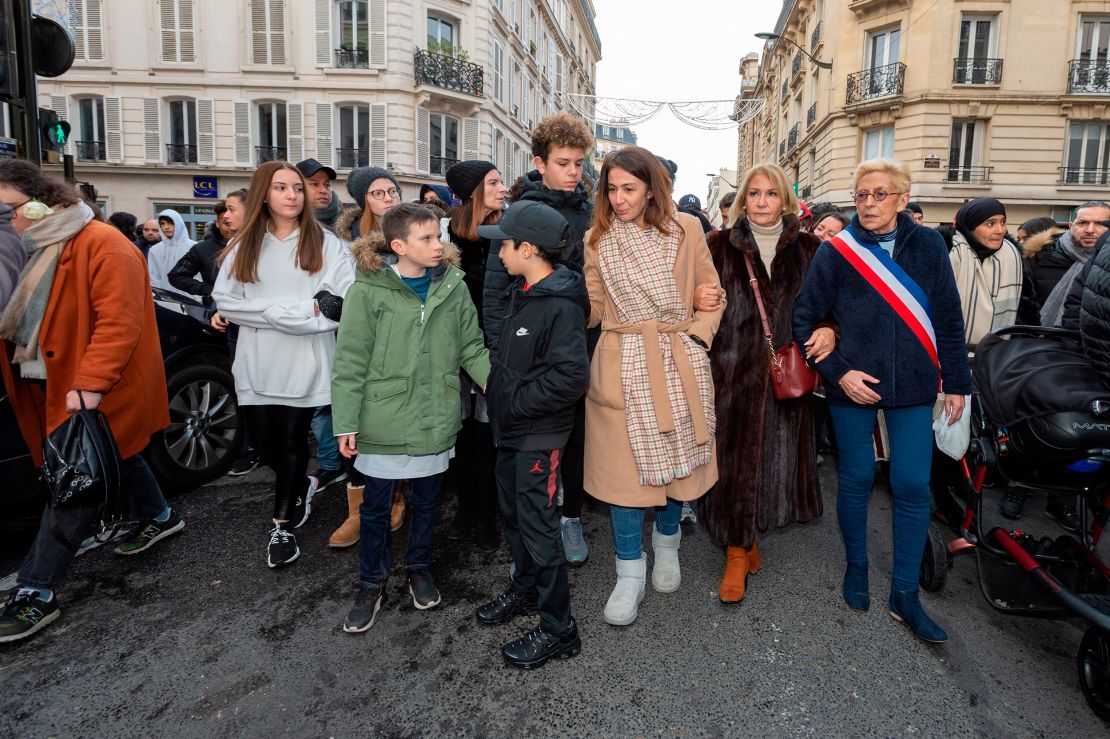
539	372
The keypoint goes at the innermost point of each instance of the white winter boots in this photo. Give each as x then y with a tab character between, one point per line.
624	602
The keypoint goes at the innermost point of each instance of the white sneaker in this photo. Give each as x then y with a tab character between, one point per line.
625	599
666	575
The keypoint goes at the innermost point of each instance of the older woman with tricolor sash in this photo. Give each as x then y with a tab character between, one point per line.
888	284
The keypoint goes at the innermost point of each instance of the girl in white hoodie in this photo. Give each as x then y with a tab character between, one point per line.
164	256
282	281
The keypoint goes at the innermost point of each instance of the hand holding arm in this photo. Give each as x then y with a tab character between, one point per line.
855	385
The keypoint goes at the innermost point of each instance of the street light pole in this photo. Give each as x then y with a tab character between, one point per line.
767	36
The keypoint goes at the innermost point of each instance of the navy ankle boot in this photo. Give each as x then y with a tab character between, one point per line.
906	608
856	592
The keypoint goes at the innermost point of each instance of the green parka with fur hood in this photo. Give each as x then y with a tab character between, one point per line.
395	380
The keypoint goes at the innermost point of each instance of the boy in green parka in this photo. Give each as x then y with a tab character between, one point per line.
408	326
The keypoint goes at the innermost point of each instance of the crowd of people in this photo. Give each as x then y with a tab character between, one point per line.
613	347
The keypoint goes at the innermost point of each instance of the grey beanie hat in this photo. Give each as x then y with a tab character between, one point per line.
360	179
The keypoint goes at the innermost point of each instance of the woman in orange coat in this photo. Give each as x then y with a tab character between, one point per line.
79	328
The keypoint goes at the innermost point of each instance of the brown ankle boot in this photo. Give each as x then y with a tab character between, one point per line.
347	533
397	513
755	561
736	575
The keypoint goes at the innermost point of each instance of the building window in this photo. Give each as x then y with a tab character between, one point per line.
498	71
89	42
444	142
268	31
441	35
1088	154
878	143
975	60
182	145
91	136
354	136
353	33
176	26
1090	70
965	152
272	137
882	48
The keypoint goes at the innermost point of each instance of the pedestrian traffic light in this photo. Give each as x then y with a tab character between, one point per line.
55	131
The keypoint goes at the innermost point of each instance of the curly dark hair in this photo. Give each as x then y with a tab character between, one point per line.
561	129
32	182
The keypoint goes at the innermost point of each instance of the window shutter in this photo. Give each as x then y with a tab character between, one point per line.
242	116
508	172
90	33
168	17
378	129
423	141
268	31
294	112
498	72
60	105
152	129
324	54
324	151
186	33
471	138
277	31
377	33
206	131
495	154
113	129
559	74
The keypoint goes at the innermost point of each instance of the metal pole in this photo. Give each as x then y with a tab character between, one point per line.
28	98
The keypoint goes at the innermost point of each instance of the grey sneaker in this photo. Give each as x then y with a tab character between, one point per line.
688	516
574	544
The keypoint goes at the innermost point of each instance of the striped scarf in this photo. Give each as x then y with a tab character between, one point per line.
990	289
22	319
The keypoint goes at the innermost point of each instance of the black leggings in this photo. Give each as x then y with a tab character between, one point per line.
280	435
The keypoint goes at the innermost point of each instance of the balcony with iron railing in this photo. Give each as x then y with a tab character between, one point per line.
877	83
969	175
449	73
792	138
349	158
440	165
91	151
966	71
1089	77
352	58
811	116
181	154
796	66
1084	176
785	87
815	37
265	154
782	150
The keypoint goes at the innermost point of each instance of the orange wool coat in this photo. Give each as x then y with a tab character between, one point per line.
99	333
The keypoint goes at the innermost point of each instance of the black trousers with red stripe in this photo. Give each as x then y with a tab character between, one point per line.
526	490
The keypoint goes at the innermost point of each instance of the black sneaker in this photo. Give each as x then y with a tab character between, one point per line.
303	505
329	477
283	548
1013	504
146	535
540	645
24	614
1062	510
423	589
246	462
506	606
367	604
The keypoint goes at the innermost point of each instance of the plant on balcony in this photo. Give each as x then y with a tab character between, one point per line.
446	49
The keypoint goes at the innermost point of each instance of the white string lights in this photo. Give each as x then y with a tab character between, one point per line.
708	115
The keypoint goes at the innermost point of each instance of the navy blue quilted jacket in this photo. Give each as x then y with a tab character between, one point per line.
873	339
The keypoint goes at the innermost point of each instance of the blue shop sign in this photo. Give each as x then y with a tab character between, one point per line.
205	187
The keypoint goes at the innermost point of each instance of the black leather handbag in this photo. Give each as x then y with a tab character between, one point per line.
81	464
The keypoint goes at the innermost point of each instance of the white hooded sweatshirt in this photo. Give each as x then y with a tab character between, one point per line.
164	256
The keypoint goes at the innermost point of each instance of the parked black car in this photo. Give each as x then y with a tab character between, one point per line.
204	435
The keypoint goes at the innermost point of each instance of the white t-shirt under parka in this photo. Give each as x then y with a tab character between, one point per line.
284	352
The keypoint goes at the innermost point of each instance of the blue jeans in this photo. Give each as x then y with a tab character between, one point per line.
375	544
911	449
628	526
327	448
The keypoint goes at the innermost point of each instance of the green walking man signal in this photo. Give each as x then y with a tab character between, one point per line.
55	131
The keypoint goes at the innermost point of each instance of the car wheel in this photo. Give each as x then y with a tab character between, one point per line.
204	435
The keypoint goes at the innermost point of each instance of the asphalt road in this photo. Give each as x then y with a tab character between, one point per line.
200	638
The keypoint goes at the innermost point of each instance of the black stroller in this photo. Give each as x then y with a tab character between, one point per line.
1040	421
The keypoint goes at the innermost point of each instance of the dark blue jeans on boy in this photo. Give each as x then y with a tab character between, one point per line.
376	540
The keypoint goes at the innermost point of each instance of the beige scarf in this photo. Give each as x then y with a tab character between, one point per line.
990	290
637	268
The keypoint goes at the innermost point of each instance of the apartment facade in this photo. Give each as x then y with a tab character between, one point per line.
175	102
609	138
1000	98
720	184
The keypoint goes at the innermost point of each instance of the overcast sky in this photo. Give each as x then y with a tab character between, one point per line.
689	50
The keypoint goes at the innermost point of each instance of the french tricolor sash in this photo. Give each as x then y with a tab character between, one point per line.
898	289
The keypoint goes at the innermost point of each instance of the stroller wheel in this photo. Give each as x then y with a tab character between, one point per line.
934	565
1094	670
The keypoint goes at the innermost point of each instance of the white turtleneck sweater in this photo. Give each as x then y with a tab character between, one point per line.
767	239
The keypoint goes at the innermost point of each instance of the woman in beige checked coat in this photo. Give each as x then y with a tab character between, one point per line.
650	418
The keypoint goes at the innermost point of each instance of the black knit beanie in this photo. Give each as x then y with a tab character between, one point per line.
360	179
464	177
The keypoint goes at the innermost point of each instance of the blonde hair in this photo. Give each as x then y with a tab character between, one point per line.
774	173
898	172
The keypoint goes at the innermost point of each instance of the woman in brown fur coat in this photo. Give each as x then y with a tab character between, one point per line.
767	462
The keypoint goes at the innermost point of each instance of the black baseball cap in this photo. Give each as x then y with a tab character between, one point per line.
689	201
531	221
310	167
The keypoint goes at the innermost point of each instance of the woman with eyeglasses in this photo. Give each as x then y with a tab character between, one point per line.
888	284
768	466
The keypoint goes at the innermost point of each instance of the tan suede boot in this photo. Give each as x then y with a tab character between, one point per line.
347	533
736	575
397	513
755	561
